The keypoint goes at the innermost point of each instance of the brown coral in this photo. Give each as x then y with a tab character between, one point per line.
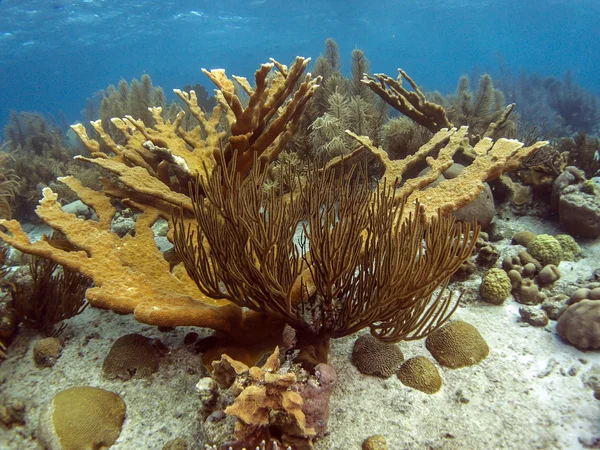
131	356
373	357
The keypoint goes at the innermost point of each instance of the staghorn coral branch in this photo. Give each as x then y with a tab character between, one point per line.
491	159
130	273
412	104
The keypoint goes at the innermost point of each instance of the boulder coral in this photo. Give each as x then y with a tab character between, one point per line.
495	286
579	324
546	249
457	344
81	418
420	373
373	357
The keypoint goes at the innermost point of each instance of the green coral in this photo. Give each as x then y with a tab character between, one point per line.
546	249
570	248
495	286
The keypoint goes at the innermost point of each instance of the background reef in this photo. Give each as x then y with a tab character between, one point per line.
41	43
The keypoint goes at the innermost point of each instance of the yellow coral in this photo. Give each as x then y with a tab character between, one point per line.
264	398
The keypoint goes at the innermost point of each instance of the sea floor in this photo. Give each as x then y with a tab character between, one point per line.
531	392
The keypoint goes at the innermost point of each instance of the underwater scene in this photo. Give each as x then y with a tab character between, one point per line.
271	225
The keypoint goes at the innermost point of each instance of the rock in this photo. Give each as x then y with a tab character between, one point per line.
571	175
78	208
579	212
533	316
553	307
122	226
176	444
482	208
12	413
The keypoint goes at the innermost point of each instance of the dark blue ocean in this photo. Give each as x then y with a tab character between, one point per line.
56	53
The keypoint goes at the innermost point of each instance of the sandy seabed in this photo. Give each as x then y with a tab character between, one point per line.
531	392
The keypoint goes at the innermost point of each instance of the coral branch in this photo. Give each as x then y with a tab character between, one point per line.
412	104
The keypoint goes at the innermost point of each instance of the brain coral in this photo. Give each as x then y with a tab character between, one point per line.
373	357
580	324
457	344
546	249
82	418
132	355
420	373
495	286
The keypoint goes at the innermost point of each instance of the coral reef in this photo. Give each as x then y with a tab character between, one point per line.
40	153
134	99
9	185
554	107
484	111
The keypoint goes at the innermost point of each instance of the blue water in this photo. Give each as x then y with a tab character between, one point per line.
56	53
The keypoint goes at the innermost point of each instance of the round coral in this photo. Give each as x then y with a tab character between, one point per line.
373	357
495	286
420	373
131	356
580	324
546	249
82	418
569	247
457	344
